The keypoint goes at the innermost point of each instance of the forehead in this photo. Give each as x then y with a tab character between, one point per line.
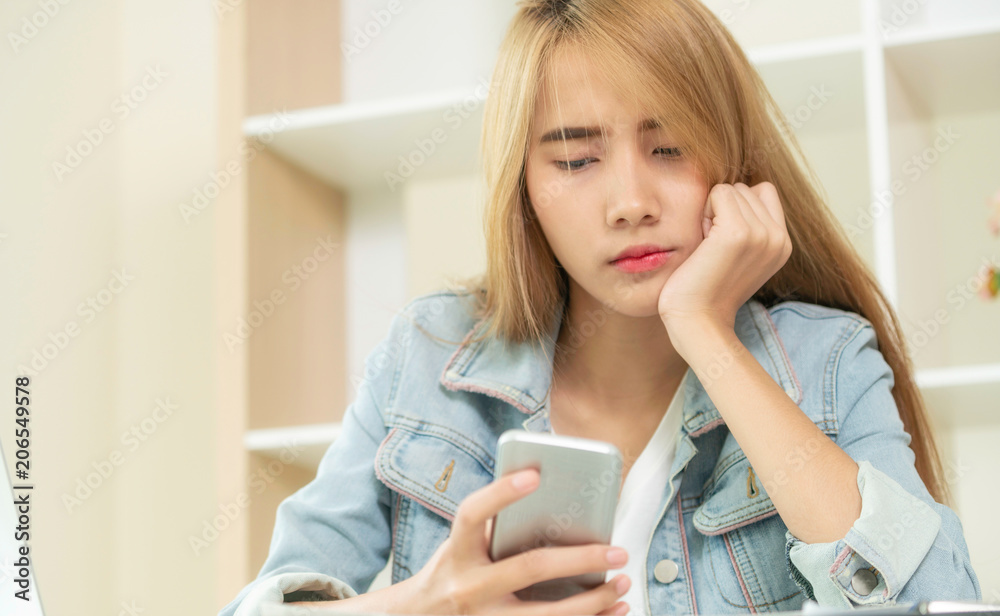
574	92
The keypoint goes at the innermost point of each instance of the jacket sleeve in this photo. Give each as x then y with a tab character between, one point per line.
904	547
332	537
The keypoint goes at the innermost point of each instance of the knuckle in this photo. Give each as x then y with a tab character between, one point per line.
740	234
457	597
468	511
462	515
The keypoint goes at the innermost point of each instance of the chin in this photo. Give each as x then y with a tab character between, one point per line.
642	302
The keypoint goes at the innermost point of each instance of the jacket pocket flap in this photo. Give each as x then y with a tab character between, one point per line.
434	466
735	497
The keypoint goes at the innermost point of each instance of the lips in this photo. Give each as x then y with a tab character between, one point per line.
640	251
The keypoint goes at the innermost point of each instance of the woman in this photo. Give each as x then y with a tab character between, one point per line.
662	275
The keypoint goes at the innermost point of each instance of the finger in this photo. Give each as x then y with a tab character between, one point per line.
709	214
618	609
549	563
768	195
486	502
591	601
720	205
753	196
725	201
776	233
747	201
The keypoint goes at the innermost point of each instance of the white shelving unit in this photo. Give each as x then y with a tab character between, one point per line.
893	82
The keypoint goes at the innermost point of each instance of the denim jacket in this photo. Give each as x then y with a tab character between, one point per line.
422	432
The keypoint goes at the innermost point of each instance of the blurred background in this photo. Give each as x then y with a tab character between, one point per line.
211	210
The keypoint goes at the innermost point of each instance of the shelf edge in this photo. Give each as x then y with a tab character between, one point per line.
932	34
803	50
356	111
267	439
976	374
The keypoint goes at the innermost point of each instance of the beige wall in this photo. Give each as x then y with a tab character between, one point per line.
64	239
435	209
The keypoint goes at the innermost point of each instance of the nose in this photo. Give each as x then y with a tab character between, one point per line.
631	198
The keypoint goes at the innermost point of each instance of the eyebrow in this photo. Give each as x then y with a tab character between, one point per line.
567	133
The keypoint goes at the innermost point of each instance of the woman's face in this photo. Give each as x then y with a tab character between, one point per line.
595	198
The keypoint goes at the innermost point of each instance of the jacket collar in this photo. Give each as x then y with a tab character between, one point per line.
520	374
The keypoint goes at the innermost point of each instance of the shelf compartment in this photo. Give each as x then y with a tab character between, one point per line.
354	146
823	99
270	481
949	71
964	405
944	162
313	440
756	24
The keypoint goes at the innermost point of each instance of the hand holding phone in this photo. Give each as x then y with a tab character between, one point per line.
574	504
461	578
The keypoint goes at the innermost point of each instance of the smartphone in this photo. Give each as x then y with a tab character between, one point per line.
574	504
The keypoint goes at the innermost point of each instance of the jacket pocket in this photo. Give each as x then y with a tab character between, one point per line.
734	497
432	464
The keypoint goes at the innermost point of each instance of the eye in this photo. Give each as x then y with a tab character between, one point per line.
672	152
575	165
572	165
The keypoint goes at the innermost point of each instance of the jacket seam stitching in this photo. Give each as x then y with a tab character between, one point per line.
834	364
739	575
687	559
445	433
711	562
778	363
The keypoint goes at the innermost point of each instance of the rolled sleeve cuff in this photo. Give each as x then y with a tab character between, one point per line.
879	554
293	586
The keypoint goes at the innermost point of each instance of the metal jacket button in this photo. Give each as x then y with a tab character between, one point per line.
864	582
665	571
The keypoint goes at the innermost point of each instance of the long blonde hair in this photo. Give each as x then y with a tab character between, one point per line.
678	60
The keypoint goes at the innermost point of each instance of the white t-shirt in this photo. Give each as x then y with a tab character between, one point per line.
639	501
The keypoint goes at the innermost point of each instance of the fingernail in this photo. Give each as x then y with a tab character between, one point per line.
621	610
622	585
524	480
617	557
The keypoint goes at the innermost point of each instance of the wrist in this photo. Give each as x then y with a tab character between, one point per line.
394	599
689	334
